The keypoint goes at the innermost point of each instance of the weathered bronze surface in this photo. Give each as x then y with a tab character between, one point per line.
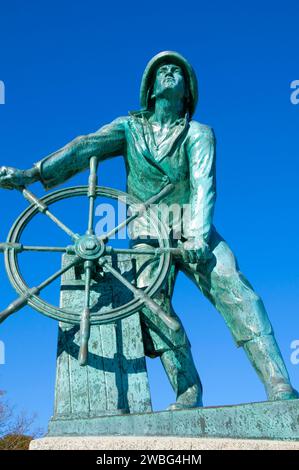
170	159
114	380
265	420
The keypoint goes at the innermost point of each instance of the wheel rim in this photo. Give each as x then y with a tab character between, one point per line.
64	315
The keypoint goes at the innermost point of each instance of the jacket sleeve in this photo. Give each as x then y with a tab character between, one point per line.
108	141
202	157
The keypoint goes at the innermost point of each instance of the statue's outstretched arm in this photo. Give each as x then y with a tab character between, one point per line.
74	157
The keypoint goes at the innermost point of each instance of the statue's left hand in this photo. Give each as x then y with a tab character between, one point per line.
13	178
196	251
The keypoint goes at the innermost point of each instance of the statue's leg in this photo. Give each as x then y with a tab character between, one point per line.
181	371
264	353
173	348
243	311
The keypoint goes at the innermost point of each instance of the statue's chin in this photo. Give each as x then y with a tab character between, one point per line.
170	90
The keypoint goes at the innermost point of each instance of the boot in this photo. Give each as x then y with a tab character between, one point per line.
266	358
183	376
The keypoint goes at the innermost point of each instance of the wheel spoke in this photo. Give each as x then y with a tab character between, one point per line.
43	208
140	294
85	317
58	273
109	250
92	193
19	247
142	208
23	299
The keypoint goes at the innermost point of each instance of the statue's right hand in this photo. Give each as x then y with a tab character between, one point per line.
11	178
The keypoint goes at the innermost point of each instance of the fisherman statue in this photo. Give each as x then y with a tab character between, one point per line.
162	144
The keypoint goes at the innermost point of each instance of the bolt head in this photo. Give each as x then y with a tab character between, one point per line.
90	245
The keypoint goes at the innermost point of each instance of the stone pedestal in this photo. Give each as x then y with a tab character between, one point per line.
157	443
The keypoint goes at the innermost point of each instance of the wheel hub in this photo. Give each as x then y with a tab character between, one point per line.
89	247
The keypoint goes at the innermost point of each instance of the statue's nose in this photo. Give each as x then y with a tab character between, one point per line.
169	73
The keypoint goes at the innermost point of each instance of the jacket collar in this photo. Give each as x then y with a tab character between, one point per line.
145	134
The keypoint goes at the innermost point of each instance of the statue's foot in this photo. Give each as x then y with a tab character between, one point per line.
191	398
286	393
183	406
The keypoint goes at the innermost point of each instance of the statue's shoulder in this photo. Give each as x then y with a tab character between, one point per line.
198	130
121	120
117	125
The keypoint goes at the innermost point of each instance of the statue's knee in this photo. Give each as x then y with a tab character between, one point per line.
225	278
232	288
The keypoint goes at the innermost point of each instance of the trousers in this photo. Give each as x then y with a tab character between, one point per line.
221	281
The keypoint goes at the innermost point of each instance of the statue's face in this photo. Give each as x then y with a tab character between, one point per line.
169	80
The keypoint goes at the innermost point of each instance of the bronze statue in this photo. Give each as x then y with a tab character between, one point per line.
162	144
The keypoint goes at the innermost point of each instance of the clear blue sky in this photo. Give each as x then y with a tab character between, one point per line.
70	67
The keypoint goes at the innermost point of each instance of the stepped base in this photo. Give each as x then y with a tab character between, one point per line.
266	420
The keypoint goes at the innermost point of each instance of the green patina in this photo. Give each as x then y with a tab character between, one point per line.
266	420
170	160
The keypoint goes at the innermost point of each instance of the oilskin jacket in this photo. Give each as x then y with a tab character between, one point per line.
185	157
